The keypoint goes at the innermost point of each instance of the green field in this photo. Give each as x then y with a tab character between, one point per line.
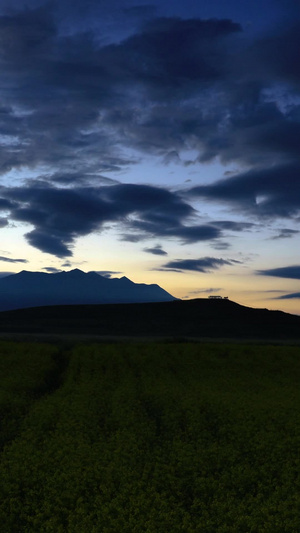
148	437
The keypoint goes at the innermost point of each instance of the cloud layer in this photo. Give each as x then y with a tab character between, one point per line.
61	215
204	264
289	272
12	260
79	102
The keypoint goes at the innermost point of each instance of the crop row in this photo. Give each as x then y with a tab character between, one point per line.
27	371
159	437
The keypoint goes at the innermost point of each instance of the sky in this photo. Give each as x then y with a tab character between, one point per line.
159	140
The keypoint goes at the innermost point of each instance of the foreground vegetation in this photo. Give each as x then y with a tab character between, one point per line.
149	438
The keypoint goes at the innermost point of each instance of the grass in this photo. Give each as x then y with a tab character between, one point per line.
151	437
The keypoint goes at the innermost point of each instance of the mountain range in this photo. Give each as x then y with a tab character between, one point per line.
35	289
79	303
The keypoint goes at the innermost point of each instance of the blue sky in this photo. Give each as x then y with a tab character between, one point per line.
159	140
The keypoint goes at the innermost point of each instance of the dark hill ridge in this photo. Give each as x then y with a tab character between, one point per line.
32	289
199	318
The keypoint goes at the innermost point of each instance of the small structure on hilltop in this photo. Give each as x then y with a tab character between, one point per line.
218	297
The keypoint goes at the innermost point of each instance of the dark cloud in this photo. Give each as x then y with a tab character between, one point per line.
294	295
57	243
59	216
73	101
204	264
221	245
140	12
157	250
284	65
52	270
272	192
108	273
12	260
55	87
28	33
200	55
67	264
285	233
213	104
198	233
70	97
253	132
3	222
132	236
168	227
290	272
70	178
5	204
233	226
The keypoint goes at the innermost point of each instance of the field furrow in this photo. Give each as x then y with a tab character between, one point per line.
159	437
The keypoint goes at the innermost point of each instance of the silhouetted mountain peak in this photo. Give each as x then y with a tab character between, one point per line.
73	287
26	273
125	280
74	273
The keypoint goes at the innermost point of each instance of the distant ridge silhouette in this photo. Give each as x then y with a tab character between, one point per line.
75	287
178	319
